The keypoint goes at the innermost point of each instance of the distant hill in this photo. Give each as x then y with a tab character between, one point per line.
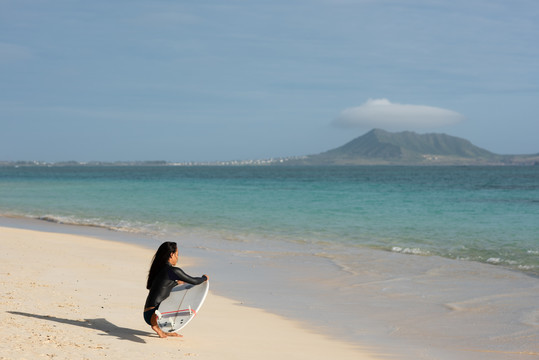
409	148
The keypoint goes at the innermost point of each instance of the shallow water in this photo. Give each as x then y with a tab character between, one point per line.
485	214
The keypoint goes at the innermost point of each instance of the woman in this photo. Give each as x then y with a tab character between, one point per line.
162	277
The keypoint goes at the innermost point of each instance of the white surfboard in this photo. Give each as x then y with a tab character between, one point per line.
181	306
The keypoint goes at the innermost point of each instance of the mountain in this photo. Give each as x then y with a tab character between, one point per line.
409	148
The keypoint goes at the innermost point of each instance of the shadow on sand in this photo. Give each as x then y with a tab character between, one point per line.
104	325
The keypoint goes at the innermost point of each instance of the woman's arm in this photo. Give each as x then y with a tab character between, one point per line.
179	274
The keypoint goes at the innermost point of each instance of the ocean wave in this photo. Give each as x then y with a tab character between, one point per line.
411	251
527	268
120	226
494	261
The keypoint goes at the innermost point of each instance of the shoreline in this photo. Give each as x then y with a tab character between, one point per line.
74	296
414	307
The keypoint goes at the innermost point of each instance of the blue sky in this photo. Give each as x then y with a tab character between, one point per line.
224	80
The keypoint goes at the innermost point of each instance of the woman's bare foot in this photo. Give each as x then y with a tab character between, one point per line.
159	332
163	334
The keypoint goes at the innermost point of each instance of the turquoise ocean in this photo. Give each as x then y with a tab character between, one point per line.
479	214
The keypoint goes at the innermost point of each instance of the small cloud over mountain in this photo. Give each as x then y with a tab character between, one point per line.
381	113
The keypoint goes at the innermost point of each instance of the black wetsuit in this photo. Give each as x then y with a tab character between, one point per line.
165	281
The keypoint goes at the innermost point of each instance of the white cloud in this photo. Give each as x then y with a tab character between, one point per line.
381	113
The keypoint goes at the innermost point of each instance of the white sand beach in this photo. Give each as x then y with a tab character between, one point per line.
76	297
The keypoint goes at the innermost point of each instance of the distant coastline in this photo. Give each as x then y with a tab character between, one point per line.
513	160
260	162
377	147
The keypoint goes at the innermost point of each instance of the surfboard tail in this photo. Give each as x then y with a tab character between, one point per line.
181	306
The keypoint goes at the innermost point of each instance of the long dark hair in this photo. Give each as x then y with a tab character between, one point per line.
160	259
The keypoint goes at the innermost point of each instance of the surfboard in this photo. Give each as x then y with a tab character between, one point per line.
181	306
